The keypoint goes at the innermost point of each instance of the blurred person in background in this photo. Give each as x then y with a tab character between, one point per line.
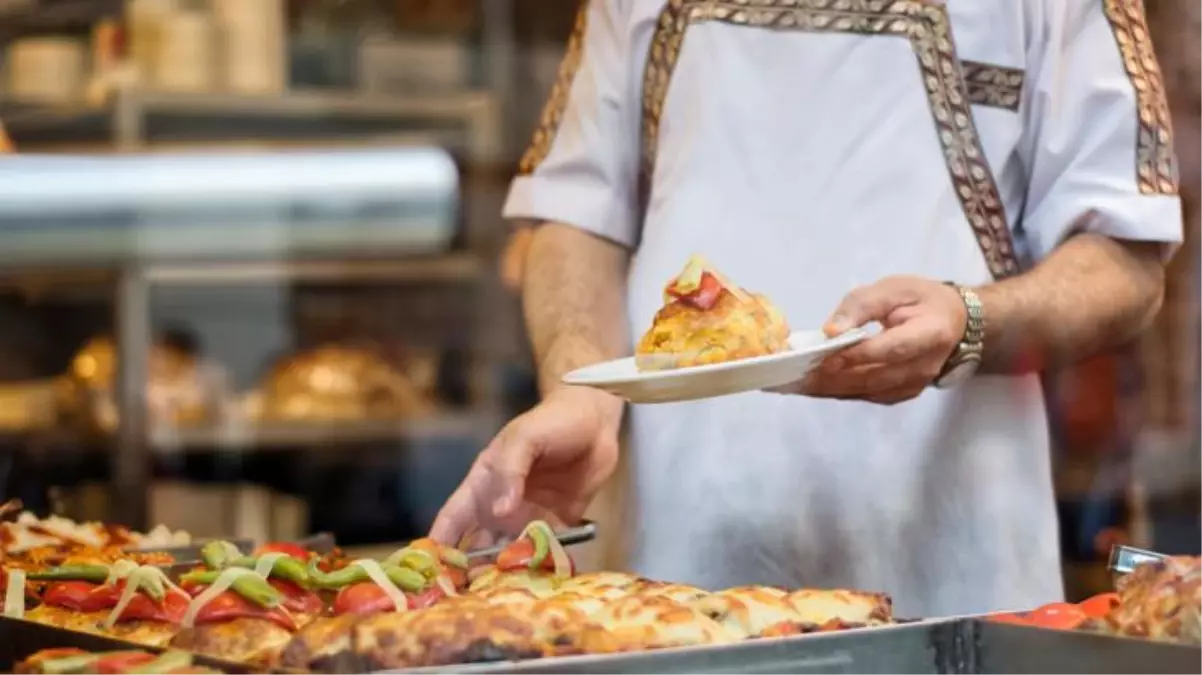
808	149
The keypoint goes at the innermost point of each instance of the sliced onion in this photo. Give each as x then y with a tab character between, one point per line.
267	562
446	586
220	585
136	579
380	578
563	563
120	569
14	595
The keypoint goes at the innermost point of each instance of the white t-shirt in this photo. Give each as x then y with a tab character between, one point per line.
810	146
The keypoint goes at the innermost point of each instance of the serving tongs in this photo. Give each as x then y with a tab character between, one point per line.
585	531
1124	559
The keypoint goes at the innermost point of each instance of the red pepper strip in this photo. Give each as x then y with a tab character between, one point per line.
229	606
117	663
705	296
1058	616
1099	606
297	599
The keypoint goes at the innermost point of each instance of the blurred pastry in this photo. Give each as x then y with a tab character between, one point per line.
337	384
179	391
708	319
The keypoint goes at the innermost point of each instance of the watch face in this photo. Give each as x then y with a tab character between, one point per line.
959	374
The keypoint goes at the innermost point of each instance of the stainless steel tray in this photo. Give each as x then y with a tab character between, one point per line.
20	638
1009	648
925	647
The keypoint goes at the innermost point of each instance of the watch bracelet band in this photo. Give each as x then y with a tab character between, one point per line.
972	342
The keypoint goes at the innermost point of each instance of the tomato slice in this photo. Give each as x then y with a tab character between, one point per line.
1099	605
1058	616
430	596
229	606
518	554
705	296
458	577
73	595
297	599
116	663
142	608
287	548
363	598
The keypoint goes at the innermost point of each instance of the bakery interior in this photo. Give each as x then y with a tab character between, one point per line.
345	388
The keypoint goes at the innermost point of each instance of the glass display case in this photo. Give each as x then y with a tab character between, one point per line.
302	326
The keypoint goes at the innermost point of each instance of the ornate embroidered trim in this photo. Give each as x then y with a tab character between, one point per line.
552	115
1155	161
928	29
990	85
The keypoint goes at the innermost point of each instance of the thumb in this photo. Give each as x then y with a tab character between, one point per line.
867	304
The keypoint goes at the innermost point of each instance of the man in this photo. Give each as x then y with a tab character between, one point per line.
1018	148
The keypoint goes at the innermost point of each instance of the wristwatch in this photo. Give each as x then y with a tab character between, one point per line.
966	358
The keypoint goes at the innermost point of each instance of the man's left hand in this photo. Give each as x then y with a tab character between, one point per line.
922	321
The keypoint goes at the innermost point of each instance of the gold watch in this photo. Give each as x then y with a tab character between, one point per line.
966	358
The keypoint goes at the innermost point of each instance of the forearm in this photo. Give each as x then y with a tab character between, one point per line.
574	298
1091	294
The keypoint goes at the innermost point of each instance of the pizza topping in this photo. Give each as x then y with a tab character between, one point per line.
416	559
219	554
76	663
296	598
154	583
266	563
246	583
94	573
289	549
381	579
14	594
363	599
700	285
118	663
536	548
1099	605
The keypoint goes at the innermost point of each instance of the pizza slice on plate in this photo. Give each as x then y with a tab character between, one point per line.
708	319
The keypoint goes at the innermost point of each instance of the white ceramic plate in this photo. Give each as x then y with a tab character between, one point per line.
622	378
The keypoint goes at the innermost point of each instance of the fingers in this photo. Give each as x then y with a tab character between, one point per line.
457	520
871	303
906	342
507	462
866	381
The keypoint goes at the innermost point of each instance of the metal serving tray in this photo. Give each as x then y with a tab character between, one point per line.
1010	648
20	638
948	646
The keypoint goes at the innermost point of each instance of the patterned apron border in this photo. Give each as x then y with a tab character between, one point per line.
1155	162
557	102
925	25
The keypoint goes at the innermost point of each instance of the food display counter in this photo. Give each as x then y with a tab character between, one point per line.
519	608
331	282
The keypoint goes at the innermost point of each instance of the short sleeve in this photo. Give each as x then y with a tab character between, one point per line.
581	166
1098	143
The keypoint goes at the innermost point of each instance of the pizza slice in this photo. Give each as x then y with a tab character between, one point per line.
748	611
72	660
651	622
536	561
816	610
131	602
708	319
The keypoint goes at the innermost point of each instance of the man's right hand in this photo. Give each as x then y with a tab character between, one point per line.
546	464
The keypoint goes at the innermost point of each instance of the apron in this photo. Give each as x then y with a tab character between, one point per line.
807	147
797	146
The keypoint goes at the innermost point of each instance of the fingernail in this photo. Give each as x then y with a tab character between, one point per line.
838	324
